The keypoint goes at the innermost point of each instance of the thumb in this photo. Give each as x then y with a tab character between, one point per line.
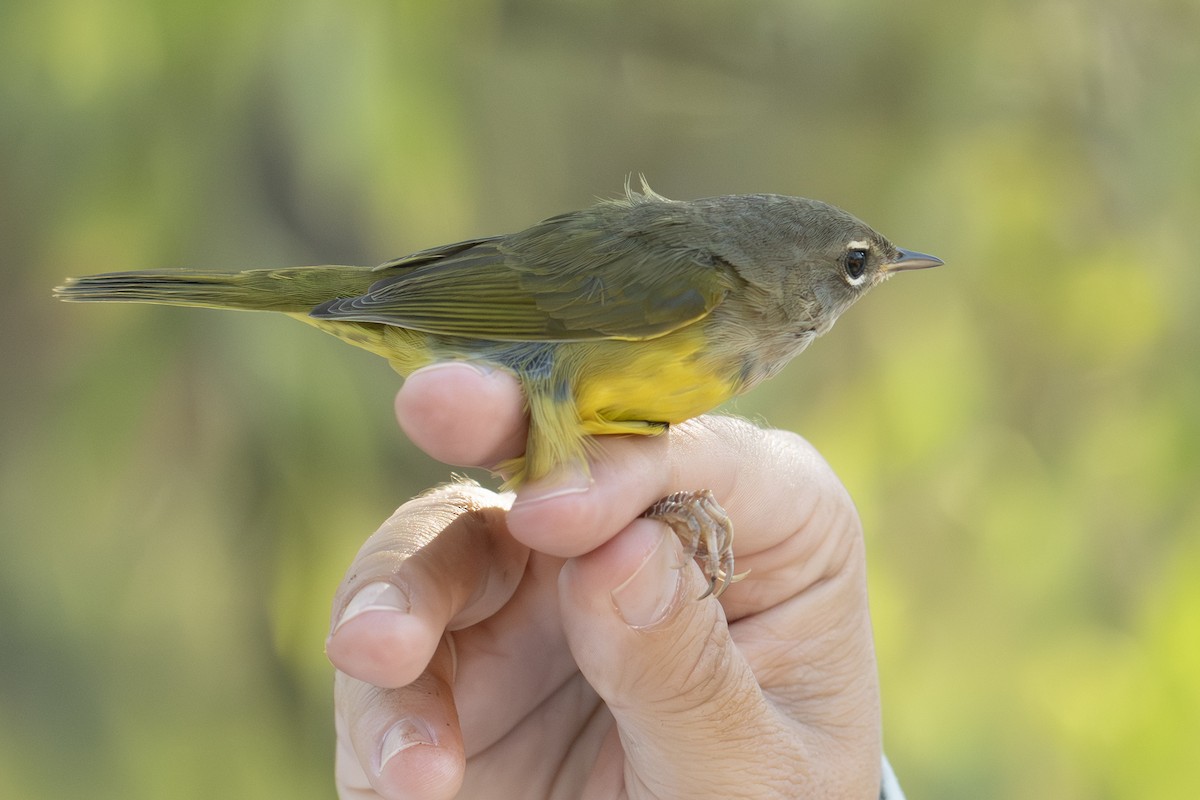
692	719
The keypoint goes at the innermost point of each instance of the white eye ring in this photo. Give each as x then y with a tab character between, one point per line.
854	263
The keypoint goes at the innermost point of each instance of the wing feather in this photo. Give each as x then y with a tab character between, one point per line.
618	270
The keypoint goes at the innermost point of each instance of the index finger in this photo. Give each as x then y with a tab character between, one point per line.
463	413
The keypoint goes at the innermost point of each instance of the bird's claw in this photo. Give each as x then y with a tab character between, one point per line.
706	531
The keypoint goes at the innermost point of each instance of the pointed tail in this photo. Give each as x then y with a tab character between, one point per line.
291	290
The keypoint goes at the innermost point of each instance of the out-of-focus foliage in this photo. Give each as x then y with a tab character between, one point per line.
180	490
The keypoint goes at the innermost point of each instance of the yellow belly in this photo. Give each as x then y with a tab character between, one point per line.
668	379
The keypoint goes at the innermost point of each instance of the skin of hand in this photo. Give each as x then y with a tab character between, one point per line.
551	646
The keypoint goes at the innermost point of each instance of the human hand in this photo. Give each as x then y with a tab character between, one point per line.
553	647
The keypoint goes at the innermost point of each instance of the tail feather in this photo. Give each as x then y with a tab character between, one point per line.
291	290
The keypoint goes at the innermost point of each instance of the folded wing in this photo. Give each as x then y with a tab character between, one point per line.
579	276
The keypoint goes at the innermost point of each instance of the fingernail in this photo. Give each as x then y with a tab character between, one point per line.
645	597
378	596
566	480
478	367
406	733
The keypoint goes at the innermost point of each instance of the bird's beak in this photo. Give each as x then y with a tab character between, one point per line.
909	259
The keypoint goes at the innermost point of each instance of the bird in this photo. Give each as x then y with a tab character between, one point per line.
626	317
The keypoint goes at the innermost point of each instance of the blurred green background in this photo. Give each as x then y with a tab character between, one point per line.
181	490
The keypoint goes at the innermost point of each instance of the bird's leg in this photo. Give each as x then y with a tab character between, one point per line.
706	531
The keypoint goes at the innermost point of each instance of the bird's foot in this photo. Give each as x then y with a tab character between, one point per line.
706	531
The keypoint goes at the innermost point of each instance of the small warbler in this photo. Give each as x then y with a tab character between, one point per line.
622	318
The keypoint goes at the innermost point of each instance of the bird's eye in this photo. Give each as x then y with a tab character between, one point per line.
856	264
